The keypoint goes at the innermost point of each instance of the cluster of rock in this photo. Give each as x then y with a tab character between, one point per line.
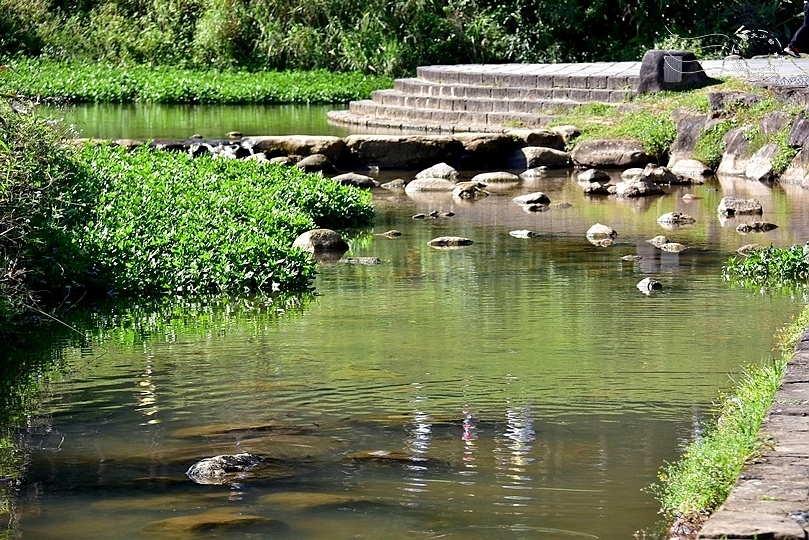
635	181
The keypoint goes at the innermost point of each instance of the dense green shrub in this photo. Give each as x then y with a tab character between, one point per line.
106	83
159	222
392	37
34	170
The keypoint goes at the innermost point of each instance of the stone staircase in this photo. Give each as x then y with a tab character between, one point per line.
490	98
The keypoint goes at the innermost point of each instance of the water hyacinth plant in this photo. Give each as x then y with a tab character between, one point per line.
771	267
159	222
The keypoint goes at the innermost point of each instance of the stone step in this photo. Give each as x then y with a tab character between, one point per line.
397	98
442	120
419	87
531	76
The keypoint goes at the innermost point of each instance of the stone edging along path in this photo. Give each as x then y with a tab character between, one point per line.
771	497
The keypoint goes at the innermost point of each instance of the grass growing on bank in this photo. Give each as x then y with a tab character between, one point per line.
692	488
650	119
92	82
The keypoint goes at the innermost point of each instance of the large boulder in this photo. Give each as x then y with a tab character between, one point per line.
356	180
760	165
316	163
639	187
215	524
539	137
429	184
321	240
736	154
537	197
689	130
440	170
732	206
611	153
404	152
333	148
486	150
530	157
693	169
798	170
670	70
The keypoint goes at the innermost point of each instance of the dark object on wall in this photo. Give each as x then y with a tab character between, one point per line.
671	70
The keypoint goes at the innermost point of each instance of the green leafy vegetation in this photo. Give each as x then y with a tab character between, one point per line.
109	83
692	488
770	267
389	37
160	222
711	145
151	222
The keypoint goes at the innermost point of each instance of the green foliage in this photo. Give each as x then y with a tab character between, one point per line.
157	222
107	83
771	267
389	37
33	169
655	130
785	152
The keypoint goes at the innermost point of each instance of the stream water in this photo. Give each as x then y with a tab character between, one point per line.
515	388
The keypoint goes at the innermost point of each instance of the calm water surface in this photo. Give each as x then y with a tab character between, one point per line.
513	389
178	122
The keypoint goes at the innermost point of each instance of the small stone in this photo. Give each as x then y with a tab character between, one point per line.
441	170
673	247
393	233
731	206
676	218
399	183
594	175
433	214
536	207
235	135
447	214
631	258
419	216
366	261
688	197
522	233
562	205
599	231
658	241
495	177
319	240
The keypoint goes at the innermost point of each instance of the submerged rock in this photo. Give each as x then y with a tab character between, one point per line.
399	183
429	184
296	501
497	177
631	258
469	191
673	247
450	242
356	180
747	249
756	226
384	455
393	233
221	469
675	219
218	523
367	261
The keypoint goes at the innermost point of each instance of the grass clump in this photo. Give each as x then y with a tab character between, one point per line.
95	82
692	488
158	222
711	144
